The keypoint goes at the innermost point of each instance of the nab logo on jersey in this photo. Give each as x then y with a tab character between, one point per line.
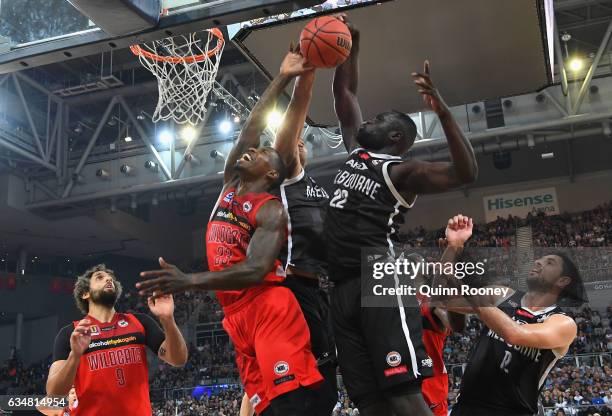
122	323
356	165
228	198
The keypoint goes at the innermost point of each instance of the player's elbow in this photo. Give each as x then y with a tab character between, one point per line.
53	389
467	176
179	361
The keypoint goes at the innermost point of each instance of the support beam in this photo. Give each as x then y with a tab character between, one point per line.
556	103
28	115
145	138
432	126
562	70
55	131
38	86
589	77
90	145
28	155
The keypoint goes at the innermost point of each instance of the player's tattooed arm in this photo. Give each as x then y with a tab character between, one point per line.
415	177
346	103
173	348
292	66
290	132
262	252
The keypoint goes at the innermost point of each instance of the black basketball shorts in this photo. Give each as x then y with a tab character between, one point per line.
378	348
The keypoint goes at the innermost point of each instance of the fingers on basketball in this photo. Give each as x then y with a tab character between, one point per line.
326	42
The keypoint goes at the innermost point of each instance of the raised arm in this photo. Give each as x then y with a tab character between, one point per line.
557	332
263	250
169	342
292	66
346	104
70	344
289	133
418	177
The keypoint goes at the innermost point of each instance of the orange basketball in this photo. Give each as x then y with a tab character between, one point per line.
326	42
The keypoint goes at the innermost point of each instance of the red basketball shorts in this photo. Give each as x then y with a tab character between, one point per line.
272	345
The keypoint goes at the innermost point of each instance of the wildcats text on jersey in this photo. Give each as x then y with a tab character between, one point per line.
107	359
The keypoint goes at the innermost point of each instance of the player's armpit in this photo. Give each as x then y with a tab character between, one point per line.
413	177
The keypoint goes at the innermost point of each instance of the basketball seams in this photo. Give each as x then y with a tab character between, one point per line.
315	33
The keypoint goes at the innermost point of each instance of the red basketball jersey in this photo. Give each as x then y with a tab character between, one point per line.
113	376
229	232
435	388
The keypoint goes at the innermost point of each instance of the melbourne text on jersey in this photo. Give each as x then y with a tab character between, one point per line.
529	352
357	182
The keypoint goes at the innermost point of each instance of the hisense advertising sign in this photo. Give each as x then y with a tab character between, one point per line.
519	204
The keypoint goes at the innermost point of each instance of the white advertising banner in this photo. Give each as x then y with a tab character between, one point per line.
519	204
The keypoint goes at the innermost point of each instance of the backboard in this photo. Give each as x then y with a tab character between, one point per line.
478	49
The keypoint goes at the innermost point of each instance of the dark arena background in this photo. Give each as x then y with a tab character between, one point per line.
88	177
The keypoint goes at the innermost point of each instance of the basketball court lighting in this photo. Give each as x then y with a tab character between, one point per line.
127	139
166	137
236	119
274	119
188	133
576	64
225	126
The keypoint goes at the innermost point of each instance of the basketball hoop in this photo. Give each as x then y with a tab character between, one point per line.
185	67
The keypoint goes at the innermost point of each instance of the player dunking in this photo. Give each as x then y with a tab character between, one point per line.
247	229
305	257
380	350
104	354
523	337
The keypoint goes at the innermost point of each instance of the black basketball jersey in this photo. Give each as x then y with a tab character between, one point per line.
507	378
306	203
365	210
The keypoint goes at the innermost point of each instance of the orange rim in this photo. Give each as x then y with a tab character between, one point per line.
137	50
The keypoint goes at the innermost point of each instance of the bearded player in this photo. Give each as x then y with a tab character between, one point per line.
524	335
245	234
380	350
104	354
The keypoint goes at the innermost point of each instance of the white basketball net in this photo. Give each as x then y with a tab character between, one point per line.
185	67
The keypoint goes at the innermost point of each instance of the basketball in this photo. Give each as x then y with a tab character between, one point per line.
326	42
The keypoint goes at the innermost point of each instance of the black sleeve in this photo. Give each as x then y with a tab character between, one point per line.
154	335
61	347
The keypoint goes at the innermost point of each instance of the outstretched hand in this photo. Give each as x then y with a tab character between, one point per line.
430	93
459	230
294	63
166	281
